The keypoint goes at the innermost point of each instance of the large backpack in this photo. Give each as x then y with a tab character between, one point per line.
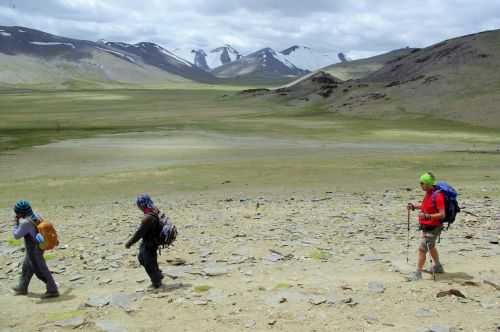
166	232
47	230
450	202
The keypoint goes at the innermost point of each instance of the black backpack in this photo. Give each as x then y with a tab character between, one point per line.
450	202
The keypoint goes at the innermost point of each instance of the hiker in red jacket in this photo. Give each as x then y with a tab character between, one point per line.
432	211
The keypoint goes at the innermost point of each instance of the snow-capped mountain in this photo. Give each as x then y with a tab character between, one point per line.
209	60
40	45
196	56
265	63
309	59
155	55
222	55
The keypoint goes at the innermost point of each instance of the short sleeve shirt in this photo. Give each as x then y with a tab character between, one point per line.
428	206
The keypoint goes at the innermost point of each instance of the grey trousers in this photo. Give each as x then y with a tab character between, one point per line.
34	264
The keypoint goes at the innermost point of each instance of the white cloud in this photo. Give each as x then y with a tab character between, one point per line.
353	27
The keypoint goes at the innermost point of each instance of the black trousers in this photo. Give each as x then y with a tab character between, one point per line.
148	257
34	264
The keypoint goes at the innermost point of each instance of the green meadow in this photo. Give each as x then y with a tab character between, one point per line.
73	147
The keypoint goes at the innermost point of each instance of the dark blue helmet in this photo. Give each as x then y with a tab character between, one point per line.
23	208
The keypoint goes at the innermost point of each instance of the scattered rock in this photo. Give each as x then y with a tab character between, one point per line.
177	271
317	300
376	287
74	322
200	302
123	301
250	324
213	271
370	319
489	278
439	328
75	278
372	258
423	312
273	257
109	326
97	301
454	292
176	261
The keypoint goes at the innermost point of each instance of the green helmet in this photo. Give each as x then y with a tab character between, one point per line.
428	179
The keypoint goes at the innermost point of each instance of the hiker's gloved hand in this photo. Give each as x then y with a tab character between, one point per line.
411	207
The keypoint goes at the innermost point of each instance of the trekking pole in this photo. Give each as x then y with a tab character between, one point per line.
408	238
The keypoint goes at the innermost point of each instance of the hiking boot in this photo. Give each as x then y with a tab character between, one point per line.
155	286
19	291
49	295
414	276
437	269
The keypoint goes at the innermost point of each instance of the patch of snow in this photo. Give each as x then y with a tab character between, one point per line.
20	30
51	44
214	56
5	34
118	53
170	54
280	57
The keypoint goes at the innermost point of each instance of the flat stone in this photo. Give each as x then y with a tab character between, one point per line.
123	301
75	278
213	271
72	322
200	302
250	324
109	326
372	258
488	303
175	272
370	319
317	300
423	312
376	287
272	258
215	295
491	279
439	328
97	301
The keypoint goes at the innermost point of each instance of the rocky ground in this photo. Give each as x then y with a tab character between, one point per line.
309	261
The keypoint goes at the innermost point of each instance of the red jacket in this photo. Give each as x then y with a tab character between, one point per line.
429	207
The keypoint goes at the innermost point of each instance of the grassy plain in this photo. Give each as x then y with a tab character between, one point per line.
72	147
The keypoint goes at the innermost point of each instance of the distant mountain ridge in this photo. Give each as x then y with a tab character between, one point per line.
17	41
265	63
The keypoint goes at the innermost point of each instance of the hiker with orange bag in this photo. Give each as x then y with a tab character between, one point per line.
38	235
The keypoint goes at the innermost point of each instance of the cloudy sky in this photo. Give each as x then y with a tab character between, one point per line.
358	27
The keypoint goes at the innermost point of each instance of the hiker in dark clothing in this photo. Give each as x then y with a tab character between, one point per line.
34	262
147	231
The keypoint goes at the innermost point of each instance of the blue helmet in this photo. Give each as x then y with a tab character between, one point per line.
23	208
144	201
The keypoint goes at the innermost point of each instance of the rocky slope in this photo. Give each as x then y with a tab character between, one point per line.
271	261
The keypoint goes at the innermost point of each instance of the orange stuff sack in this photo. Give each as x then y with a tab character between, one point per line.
49	234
